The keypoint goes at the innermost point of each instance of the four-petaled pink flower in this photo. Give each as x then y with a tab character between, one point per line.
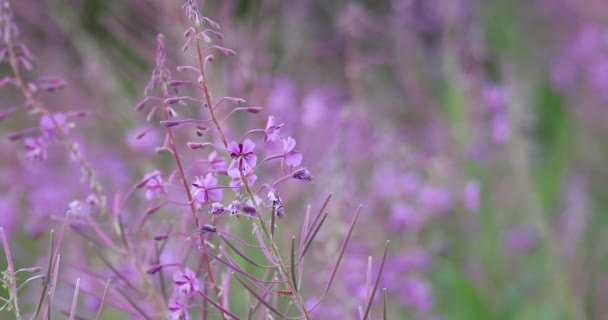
292	158
178	311
243	158
271	133
186	282
48	127
154	185
203	189
36	148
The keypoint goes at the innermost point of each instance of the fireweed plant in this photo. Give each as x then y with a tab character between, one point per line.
188	265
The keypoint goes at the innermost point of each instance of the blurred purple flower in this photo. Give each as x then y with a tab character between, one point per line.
186	282
218	164
142	140
236	183
36	148
271	133
48	128
520	240
178	311
472	193
404	217
243	158
416	293
203	189
8	214
434	199
154	185
302	174
292	158
500	128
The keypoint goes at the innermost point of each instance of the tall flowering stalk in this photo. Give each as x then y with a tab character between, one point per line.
52	125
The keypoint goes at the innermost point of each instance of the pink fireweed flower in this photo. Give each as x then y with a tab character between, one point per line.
202	192
178	311
271	133
292	158
236	183
48	127
217	208
234	207
218	164
185	282
243	158
36	148
154	185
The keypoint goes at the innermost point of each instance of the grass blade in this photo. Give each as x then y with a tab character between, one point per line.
371	298
260	298
240	253
293	264
340	256
217	305
75	300
11	272
103	299
312	237
49	269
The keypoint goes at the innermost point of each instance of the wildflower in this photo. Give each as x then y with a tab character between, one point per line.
274	198
48	127
236	183
217	208
416	293
472	192
302	174
243	158
186	282
218	164
234	207
249	208
206	228
36	148
178	311
154	185
203	189
271	133
292	158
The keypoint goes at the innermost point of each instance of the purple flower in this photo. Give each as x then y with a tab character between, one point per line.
48	128
217	208
36	148
417	294
271	133
206	228
154	185
234	207
302	174
178	311
472	192
186	282
292	158
519	240
404	217
218	164
203	189
435	199
236	183
243	158
274	198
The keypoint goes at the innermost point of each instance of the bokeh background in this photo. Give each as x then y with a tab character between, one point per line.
471	131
